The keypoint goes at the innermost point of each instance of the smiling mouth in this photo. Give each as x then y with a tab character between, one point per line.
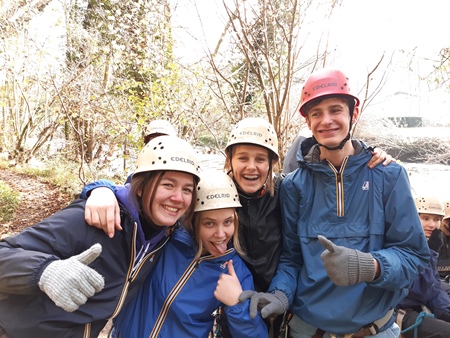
251	178
170	209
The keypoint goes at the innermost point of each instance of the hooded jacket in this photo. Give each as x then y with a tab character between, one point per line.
371	210
26	311
426	290
177	300
260	233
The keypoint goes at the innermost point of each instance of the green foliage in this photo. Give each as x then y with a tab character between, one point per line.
9	200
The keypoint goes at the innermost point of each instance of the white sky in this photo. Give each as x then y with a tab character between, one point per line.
360	32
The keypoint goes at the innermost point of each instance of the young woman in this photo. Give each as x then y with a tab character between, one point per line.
198	271
62	278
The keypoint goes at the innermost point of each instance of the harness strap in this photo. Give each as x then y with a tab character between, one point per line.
367	330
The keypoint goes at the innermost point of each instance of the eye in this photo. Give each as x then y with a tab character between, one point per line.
228	222
188	191
262	159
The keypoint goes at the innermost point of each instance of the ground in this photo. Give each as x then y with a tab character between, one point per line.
38	200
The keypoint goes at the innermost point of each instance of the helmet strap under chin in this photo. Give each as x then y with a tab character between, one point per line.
339	147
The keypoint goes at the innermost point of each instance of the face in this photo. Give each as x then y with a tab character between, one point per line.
429	223
173	196
329	121
216	228
250	165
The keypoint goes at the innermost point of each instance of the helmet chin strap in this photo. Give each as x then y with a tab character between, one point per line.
339	147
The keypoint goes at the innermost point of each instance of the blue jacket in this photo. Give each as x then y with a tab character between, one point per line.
26	311
178	300
371	210
426	290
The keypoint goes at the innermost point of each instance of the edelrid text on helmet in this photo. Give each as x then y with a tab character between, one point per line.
256	131
182	159
216	190
168	153
325	82
210	197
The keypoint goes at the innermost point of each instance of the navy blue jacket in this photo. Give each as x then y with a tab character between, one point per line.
26	311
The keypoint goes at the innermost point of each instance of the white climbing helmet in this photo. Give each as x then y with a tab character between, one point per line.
161	127
429	205
168	153
447	209
257	131
216	190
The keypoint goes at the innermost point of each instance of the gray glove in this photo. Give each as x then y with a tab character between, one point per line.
346	266
269	303
70	282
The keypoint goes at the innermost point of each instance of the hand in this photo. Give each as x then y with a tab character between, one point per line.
435	240
380	156
347	266
269	303
102	211
70	282
228	287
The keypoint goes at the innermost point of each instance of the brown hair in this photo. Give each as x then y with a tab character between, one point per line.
349	100
145	183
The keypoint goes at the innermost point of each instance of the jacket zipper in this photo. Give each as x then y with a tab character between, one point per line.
134	269
176	290
339	175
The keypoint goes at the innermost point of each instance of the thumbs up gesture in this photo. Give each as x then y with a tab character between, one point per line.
70	282
346	266
228	287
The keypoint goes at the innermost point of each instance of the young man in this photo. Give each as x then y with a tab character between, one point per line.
426	290
350	245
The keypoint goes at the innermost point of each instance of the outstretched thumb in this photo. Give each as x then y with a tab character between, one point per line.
231	271
327	244
246	295
88	256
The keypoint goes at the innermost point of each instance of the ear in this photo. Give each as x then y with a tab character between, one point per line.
308	122
355	116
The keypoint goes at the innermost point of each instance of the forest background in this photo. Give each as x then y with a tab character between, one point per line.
81	79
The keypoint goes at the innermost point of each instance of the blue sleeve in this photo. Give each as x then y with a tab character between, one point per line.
97	184
405	251
291	259
238	316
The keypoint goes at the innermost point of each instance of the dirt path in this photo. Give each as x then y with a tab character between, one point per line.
38	200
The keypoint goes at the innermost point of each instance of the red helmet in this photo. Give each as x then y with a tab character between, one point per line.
322	83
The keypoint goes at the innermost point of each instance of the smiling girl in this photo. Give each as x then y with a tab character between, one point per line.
199	270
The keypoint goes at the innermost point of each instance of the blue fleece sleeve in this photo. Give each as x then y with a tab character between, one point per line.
291	259
97	184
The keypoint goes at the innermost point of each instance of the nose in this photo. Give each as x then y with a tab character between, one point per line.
251	163
177	195
326	118
220	231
